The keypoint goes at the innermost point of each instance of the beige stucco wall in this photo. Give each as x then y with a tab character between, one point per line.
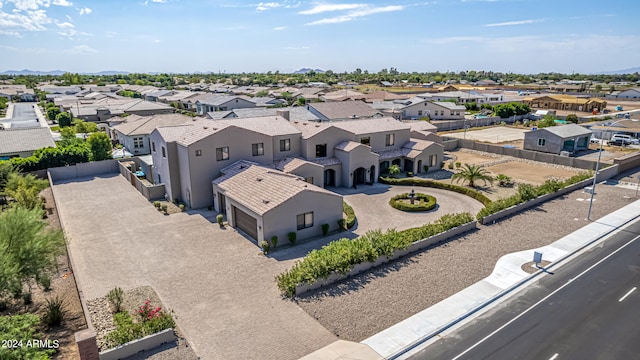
331	136
311	170
326	208
361	156
168	168
295	146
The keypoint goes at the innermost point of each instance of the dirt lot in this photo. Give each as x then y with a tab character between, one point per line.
530	173
471	158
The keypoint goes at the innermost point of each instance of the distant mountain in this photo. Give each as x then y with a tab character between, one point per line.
625	71
58	72
306	70
33	72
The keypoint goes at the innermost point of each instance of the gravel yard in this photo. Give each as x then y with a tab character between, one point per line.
362	306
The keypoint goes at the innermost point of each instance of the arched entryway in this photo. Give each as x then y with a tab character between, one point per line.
395	162
359	176
372	174
329	177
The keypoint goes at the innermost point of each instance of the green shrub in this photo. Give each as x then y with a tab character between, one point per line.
220	219
27	298
274	241
504	180
115	298
423	202
292	237
164	208
450	166
325	229
527	192
339	256
265	246
54	313
341	224
425	168
458	164
409	173
22	328
181	206
437	185
128	330
351	215
156	204
45	282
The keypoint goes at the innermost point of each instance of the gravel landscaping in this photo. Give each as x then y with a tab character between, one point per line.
364	305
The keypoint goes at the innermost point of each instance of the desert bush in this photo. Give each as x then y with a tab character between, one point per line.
351	215
115	298
45	282
274	241
164	208
220	219
504	180
265	246
22	328
54	313
156	204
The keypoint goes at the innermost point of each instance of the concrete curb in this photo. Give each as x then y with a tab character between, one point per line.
391	344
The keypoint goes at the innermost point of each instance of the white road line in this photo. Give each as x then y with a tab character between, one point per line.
627	294
554	356
544	299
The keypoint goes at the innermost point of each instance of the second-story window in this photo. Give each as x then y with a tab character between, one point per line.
257	149
365	141
390	139
198	152
321	150
285	145
222	153
153	146
164	152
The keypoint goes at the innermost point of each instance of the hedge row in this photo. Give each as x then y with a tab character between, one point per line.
437	185
528	192
341	255
53	157
351	215
423	202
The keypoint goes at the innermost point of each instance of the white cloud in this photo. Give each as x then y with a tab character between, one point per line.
65	25
156	41
279	28
331	7
511	23
30	20
82	50
24	5
159	1
361	12
62	3
85	11
110	34
266	6
10	33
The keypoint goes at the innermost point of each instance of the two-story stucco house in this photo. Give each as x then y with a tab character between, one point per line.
222	103
134	132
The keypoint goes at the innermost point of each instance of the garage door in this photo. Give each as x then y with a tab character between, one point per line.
246	222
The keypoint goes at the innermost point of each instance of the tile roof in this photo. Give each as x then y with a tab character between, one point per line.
421	126
390	154
25	139
144	125
327	161
261	189
217	100
173	133
295	113
345	109
368	126
291	164
268	125
450	105
348	145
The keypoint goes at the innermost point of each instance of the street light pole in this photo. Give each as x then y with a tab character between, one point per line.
595	176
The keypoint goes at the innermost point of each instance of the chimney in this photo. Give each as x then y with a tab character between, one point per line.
284	114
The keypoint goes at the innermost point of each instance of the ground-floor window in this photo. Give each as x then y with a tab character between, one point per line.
305	220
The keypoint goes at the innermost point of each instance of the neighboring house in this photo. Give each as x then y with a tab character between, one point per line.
266	101
264	202
343	110
424	130
416	108
17	92
222	103
290	113
565	102
60	90
22	142
341	95
156	94
344	153
464	97
134	132
628	94
556	139
104	110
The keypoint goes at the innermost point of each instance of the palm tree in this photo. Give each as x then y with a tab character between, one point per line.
472	173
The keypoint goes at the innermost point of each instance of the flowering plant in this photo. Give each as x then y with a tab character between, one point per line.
147	312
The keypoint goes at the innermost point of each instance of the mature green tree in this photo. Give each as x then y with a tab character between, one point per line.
27	245
597	88
6	169
471	174
63	119
302	101
547	121
394	170
52	113
100	146
84	127
573	118
262	93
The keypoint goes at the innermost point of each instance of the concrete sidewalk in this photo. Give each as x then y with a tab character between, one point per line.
506	276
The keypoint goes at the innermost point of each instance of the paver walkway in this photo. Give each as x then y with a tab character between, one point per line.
219	285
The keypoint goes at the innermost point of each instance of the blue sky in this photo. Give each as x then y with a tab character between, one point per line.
522	36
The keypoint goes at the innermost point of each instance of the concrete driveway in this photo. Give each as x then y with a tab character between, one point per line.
219	285
371	205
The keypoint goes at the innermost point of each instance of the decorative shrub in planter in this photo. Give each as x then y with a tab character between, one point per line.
265	246
422	202
341	225
220	220
274	241
325	229
292	237
425	168
409	174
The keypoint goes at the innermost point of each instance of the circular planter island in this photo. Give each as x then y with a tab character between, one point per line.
422	202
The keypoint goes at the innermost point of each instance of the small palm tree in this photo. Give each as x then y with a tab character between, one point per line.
394	170
472	173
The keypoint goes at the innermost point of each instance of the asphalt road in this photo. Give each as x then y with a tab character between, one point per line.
587	309
23	116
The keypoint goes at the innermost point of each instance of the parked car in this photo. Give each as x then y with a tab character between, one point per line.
623	140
